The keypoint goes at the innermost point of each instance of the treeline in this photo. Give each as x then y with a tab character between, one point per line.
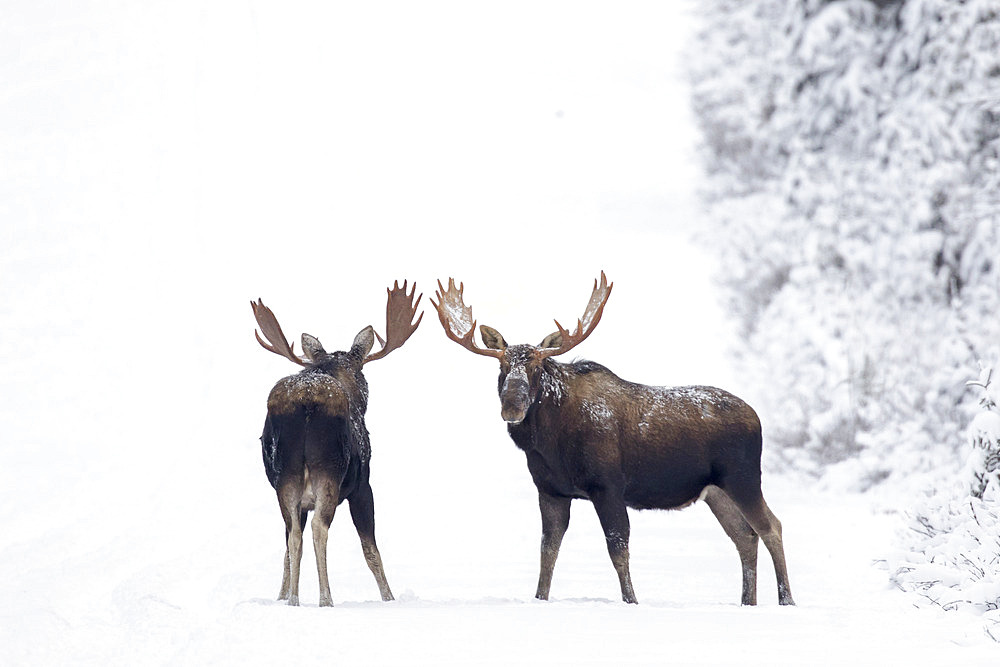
854	199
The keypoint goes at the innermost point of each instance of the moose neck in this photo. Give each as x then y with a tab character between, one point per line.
347	371
533	432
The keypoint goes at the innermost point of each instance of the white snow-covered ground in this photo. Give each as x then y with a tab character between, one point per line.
162	163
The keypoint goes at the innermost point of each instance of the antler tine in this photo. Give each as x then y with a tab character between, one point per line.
268	324
586	324
399	325
456	318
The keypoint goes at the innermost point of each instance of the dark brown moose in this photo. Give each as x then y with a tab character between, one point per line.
315	444
589	434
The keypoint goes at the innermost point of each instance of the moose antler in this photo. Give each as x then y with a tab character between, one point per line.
585	325
456	318
399	324
272	331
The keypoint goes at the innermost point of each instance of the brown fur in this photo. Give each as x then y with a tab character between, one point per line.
315	443
588	434
329	393
316	455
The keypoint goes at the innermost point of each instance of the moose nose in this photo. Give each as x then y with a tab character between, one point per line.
514	399
513	414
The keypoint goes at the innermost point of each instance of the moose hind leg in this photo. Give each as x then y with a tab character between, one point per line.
327	499
613	515
743	536
763	521
362	505
286	577
290	501
555	521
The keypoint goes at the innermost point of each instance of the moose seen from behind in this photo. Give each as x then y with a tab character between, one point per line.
588	434
315	444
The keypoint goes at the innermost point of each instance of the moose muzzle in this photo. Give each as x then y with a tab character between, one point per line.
514	396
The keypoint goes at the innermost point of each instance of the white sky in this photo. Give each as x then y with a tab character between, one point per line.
164	163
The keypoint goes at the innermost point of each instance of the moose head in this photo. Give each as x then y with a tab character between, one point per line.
521	365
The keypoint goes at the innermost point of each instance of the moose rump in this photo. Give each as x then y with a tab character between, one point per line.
307	430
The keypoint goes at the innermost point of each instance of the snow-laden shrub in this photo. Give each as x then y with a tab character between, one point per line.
854	200
983	465
950	556
950	547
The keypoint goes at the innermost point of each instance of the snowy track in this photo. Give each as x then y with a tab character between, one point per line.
173	589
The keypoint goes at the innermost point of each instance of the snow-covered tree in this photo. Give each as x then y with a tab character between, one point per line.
854	153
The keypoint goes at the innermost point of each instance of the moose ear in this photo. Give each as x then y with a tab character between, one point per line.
312	347
363	342
492	338
552	340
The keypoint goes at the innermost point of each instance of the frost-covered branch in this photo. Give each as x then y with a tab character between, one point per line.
983	464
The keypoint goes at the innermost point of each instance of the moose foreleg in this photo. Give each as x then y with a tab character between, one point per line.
613	515
555	520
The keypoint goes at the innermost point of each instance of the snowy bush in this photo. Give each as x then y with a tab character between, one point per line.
950	556
950	548
983	465
854	199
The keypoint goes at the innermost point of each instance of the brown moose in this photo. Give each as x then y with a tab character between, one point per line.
315	444
589	434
